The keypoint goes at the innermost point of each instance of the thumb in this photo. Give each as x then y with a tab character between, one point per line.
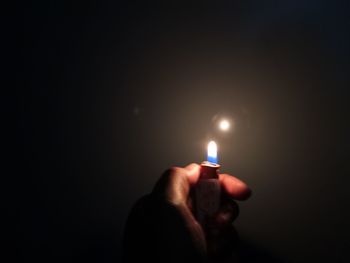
193	172
174	185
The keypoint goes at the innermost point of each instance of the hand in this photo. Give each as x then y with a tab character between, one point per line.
163	228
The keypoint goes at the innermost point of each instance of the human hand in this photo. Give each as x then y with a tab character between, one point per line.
164	220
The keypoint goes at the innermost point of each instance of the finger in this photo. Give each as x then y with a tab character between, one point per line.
227	213
234	187
193	172
173	185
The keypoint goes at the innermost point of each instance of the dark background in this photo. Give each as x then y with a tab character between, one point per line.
111	94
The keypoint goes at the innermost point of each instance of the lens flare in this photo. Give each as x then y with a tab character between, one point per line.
224	125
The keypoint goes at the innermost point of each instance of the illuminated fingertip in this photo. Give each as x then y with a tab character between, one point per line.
235	187
193	171
191	166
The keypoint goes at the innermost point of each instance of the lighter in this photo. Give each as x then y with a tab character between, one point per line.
207	189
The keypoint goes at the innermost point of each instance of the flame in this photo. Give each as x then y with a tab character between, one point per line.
212	150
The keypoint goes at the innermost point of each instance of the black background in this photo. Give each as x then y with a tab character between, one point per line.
111	94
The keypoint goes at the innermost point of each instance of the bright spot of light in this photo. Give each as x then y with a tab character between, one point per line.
212	152
224	125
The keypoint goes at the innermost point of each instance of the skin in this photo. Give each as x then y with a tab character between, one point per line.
169	208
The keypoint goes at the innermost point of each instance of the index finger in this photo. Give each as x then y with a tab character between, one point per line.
234	187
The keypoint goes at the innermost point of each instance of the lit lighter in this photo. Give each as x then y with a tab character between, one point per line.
207	190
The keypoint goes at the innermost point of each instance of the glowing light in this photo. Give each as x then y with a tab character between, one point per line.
224	125
212	152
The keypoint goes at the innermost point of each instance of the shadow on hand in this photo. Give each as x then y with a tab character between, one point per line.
156	232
